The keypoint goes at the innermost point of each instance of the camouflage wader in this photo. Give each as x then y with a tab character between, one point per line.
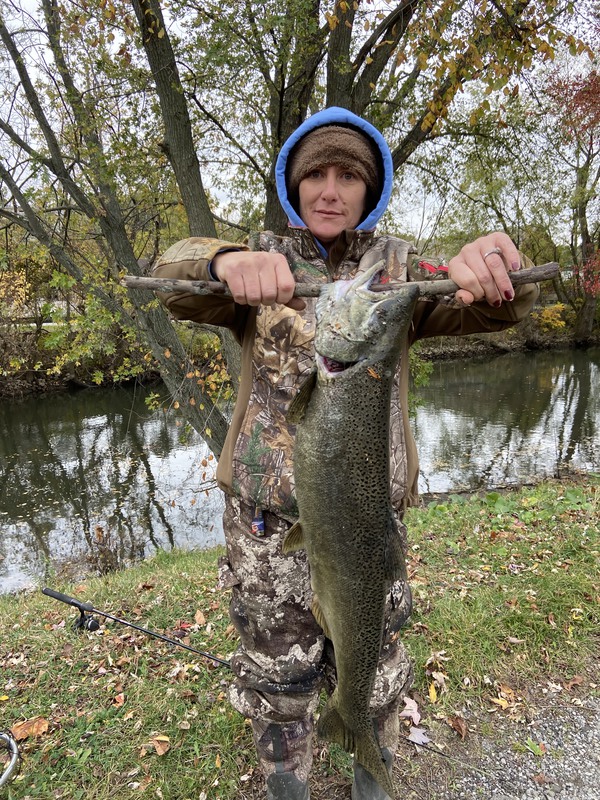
284	660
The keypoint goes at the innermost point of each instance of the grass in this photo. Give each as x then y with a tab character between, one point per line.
507	590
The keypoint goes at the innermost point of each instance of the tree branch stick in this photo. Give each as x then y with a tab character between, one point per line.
433	288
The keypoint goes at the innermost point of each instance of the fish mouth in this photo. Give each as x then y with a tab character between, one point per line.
331	367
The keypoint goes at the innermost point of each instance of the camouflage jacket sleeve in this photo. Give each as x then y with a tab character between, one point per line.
451	319
188	260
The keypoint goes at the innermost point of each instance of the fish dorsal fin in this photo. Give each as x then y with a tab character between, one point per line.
395	561
294	539
318	614
300	402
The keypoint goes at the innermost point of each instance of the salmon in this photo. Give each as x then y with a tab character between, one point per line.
341	469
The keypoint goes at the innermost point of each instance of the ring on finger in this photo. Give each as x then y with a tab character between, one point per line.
496	251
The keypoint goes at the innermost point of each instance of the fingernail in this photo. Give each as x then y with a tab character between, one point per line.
515	266
509	294
497	303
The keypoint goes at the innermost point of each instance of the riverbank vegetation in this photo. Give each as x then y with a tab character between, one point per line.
507	597
111	153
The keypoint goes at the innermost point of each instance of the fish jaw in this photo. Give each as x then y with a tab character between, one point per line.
357	327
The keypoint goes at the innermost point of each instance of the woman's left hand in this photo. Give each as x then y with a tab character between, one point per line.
481	270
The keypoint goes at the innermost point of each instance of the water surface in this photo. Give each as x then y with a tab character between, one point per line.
93	479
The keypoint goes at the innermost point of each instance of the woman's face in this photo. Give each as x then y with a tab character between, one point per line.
332	200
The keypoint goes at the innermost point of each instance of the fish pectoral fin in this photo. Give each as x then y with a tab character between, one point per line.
299	404
318	614
294	539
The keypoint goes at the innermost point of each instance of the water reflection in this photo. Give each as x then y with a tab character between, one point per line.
512	419
95	477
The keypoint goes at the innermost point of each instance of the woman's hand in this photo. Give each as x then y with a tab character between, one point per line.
256	278
481	270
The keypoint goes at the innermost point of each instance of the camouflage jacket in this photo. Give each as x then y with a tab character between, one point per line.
277	354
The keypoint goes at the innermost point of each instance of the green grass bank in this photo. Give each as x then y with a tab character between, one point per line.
507	601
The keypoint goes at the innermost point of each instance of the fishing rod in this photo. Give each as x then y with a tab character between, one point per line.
87	622
8	742
434	288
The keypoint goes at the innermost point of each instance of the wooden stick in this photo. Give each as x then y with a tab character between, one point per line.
433	288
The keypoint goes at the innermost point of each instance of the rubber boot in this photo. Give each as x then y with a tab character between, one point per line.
285	756
365	787
286	786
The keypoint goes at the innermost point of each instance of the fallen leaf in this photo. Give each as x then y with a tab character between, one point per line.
218	761
576	680
161	744
200	618
36	726
418	736
411	710
459	725
432	692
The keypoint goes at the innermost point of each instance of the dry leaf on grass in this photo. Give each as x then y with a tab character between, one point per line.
161	744
459	725
36	726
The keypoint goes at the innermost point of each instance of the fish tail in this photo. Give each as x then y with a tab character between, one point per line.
363	744
368	753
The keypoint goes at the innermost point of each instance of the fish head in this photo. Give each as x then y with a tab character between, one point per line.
357	327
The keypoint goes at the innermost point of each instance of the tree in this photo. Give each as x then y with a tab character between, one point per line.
54	150
530	167
575	102
400	64
89	135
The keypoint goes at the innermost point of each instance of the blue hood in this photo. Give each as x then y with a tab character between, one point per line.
335	116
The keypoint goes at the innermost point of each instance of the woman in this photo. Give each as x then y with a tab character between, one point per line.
334	180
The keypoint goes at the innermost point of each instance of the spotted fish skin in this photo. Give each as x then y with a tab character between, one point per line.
341	470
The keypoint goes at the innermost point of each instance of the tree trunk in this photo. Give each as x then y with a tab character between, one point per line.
179	143
586	317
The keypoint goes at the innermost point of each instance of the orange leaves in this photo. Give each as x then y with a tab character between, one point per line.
34	727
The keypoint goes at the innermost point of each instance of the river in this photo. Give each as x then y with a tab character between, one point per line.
93	480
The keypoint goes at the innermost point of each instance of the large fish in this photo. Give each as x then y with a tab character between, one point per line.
341	467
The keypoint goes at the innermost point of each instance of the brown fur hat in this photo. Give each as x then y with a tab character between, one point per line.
334	145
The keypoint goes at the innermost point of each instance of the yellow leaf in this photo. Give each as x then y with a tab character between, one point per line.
432	692
4	697
218	761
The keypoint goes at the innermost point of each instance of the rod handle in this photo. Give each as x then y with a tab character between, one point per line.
70	601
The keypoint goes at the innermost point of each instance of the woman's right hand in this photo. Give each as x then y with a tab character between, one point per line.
257	277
